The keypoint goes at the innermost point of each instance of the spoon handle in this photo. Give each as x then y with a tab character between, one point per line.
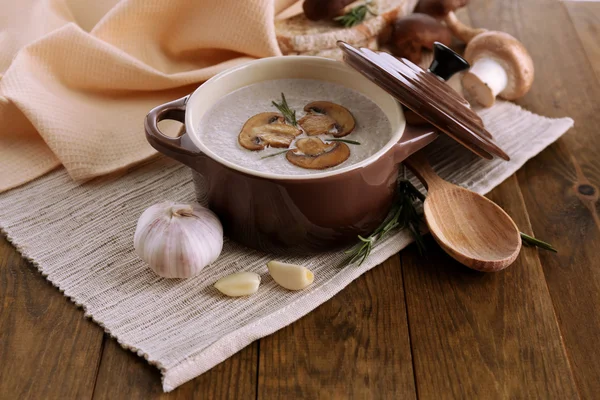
420	166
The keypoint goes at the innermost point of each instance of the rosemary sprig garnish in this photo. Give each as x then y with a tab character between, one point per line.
531	241
343	140
275	154
288	113
356	15
402	215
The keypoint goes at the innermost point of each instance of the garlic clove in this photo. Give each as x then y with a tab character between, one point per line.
238	284
178	240
290	276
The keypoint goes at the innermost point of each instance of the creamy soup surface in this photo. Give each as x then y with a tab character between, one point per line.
220	126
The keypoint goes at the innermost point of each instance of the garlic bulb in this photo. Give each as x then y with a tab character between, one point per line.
290	276
238	284
178	240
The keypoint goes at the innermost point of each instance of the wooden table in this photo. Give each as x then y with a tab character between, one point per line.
415	326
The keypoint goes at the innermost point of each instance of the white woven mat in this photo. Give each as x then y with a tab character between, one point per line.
80	237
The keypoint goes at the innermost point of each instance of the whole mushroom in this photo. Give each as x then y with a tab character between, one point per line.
439	8
444	10
416	32
316	10
500	66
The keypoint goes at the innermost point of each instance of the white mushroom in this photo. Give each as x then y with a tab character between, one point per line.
500	66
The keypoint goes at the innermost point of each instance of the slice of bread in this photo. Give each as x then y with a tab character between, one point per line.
299	35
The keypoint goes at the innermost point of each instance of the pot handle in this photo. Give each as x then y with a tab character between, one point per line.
414	139
179	148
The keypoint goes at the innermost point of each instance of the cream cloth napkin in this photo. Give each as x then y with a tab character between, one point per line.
81	237
78	76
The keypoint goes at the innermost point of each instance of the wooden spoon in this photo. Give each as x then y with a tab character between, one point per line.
472	229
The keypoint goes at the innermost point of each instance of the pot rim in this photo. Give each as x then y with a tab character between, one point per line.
392	108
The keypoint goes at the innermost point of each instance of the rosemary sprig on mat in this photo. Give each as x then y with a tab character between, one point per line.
403	215
343	140
356	15
288	113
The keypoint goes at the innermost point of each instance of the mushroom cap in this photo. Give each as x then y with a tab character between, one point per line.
510	54
439	8
343	120
317	124
313	153
267	129
417	31
323	9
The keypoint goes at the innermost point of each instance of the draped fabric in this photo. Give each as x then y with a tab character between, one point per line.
77	77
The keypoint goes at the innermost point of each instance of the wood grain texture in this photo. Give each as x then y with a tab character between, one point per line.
47	348
124	375
586	20
560	186
356	345
478	335
474	335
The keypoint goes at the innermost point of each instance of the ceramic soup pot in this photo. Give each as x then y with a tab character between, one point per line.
299	214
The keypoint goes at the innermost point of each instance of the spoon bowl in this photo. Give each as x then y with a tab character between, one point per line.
478	234
472	229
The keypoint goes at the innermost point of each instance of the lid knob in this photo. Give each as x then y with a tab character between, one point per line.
446	62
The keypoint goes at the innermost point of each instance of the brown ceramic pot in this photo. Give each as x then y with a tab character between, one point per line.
289	214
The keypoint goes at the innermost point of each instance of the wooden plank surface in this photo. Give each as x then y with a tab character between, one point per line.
355	345
47	348
560	186
472	335
124	375
477	335
586	20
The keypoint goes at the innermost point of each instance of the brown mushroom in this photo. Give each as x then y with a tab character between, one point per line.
444	10
500	66
326	111
460	30
415	32
439	8
313	153
316	10
267	129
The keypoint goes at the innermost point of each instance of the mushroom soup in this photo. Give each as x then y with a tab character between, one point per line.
248	129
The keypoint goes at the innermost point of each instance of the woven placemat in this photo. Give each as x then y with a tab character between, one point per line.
80	236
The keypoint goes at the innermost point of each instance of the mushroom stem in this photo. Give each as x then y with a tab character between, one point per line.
485	80
462	31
